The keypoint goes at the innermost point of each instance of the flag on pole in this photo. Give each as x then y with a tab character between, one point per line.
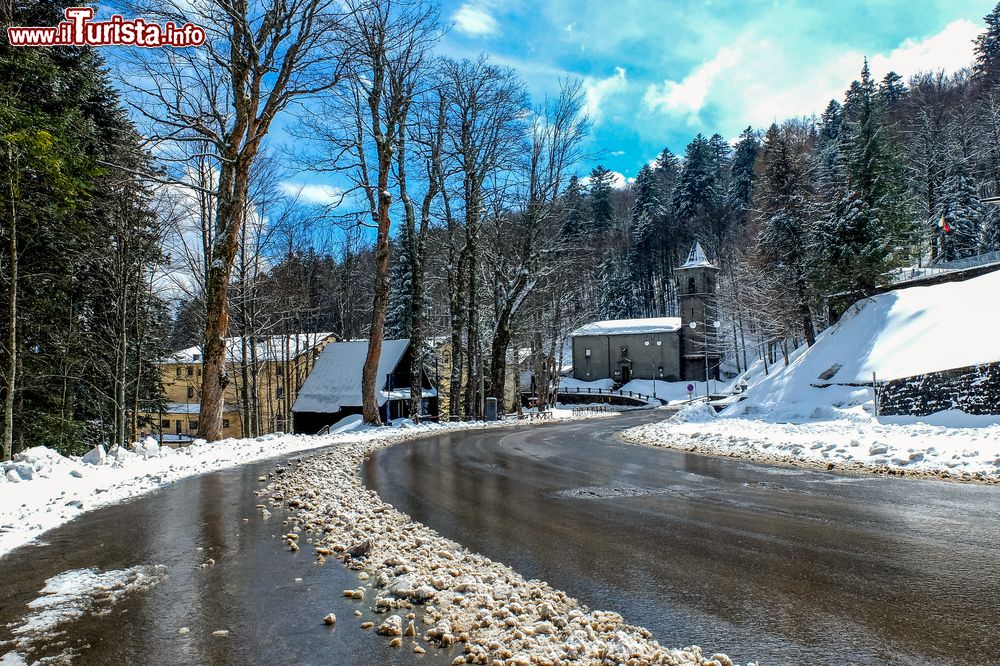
943	223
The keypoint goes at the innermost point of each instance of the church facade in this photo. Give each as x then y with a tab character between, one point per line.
663	348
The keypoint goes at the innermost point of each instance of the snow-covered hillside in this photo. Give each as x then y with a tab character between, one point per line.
898	334
788	417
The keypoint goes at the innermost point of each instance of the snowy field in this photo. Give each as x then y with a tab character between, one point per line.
40	489
787	417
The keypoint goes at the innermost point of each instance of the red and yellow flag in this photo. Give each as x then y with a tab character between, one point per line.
943	223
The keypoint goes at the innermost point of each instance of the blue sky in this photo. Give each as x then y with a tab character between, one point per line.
658	72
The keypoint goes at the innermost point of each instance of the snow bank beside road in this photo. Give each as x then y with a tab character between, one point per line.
853	440
42	489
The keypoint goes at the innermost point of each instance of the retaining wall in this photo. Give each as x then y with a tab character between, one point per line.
974	390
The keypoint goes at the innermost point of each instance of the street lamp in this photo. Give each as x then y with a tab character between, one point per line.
704	343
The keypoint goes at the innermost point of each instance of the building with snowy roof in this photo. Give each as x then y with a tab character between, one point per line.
332	391
265	373
664	348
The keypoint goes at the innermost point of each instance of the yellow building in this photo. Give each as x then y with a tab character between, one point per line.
265	375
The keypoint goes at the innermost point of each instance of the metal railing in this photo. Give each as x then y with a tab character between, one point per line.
579	390
589	410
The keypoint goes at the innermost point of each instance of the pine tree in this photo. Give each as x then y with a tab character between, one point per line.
867	205
574	215
86	233
987	66
891	91
960	210
644	261
698	197
990	240
618	298
601	187
741	181
397	317
786	210
827	146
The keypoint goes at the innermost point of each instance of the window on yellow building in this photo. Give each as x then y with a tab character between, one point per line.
190	370
164	423
279	393
225	423
178	371
193	425
190	391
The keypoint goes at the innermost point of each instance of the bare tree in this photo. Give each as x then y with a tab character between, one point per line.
257	59
363	126
487	114
557	133
430	139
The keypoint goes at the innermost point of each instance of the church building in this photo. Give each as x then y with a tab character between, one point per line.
664	348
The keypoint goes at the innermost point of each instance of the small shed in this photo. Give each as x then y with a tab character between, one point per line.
332	390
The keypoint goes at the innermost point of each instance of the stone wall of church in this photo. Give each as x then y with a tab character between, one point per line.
974	390
627	356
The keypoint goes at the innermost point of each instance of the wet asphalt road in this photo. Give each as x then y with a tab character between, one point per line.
250	591
787	566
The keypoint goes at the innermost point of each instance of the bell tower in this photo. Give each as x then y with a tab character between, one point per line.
696	296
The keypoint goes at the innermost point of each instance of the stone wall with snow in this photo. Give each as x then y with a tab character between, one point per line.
974	390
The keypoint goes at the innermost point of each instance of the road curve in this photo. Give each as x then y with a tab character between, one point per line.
250	592
782	565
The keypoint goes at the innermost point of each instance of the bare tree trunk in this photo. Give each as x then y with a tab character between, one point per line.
11	375
380	301
233	188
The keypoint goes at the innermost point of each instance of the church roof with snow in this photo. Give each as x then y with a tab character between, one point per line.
630	326
335	381
697	258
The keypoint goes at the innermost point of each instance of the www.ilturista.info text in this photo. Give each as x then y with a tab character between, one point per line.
80	30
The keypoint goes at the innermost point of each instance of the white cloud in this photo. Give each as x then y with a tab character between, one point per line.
950	50
312	194
689	95
779	86
598	90
474	19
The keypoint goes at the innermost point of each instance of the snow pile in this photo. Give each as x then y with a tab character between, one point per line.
899	334
694	412
36	462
